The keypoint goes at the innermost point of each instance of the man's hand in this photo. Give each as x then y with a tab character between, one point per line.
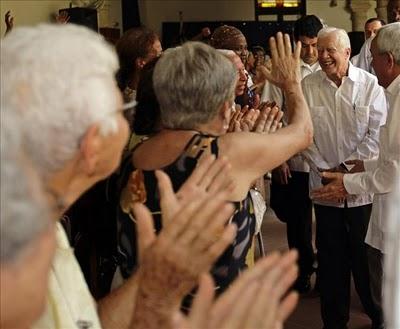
62	17
266	119
285	69
358	165
281	174
333	191
255	300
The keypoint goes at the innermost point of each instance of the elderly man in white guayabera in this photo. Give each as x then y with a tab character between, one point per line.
348	107
377	175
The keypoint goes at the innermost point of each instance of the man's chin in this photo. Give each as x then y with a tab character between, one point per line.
310	61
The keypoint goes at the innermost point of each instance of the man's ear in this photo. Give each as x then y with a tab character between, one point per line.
225	114
90	149
391	62
226	110
348	52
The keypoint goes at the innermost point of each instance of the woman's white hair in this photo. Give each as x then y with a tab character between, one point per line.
191	84
24	214
388	40
59	80
342	38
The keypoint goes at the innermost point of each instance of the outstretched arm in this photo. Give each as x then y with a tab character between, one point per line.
251	155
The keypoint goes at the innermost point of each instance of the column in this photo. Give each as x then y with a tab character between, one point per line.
359	9
381	10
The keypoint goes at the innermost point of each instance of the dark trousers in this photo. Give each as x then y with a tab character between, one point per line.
342	252
296	212
375	264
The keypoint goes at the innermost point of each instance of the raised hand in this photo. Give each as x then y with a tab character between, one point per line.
285	65
62	17
269	120
9	20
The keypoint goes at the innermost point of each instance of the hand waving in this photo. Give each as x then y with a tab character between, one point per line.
285	65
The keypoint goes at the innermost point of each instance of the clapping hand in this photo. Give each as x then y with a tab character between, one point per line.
195	233
62	17
257	299
265	119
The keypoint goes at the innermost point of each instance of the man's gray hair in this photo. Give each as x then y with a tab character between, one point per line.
191	84
24	214
388	40
59	80
342	38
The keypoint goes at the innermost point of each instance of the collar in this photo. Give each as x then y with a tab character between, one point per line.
312	68
394	87
353	73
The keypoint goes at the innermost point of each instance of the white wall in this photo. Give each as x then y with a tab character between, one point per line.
154	12
32	12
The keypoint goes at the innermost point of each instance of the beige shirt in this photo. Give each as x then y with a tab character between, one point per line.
69	303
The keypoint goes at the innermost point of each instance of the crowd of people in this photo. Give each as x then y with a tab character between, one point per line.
170	149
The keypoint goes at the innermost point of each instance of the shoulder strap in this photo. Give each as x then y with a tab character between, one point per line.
198	144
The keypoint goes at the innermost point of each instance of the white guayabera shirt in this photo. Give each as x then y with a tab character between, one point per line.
379	175
392	263
346	123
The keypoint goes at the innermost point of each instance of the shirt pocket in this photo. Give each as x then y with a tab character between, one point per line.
317	114
361	120
319	119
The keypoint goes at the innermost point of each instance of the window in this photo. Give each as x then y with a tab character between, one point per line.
279	8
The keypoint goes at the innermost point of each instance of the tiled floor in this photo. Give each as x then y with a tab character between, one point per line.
306	315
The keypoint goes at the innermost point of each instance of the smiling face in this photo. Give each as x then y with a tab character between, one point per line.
333	59
239	45
309	52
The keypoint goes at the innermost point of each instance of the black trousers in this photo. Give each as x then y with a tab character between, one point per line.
296	211
375	263
342	252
